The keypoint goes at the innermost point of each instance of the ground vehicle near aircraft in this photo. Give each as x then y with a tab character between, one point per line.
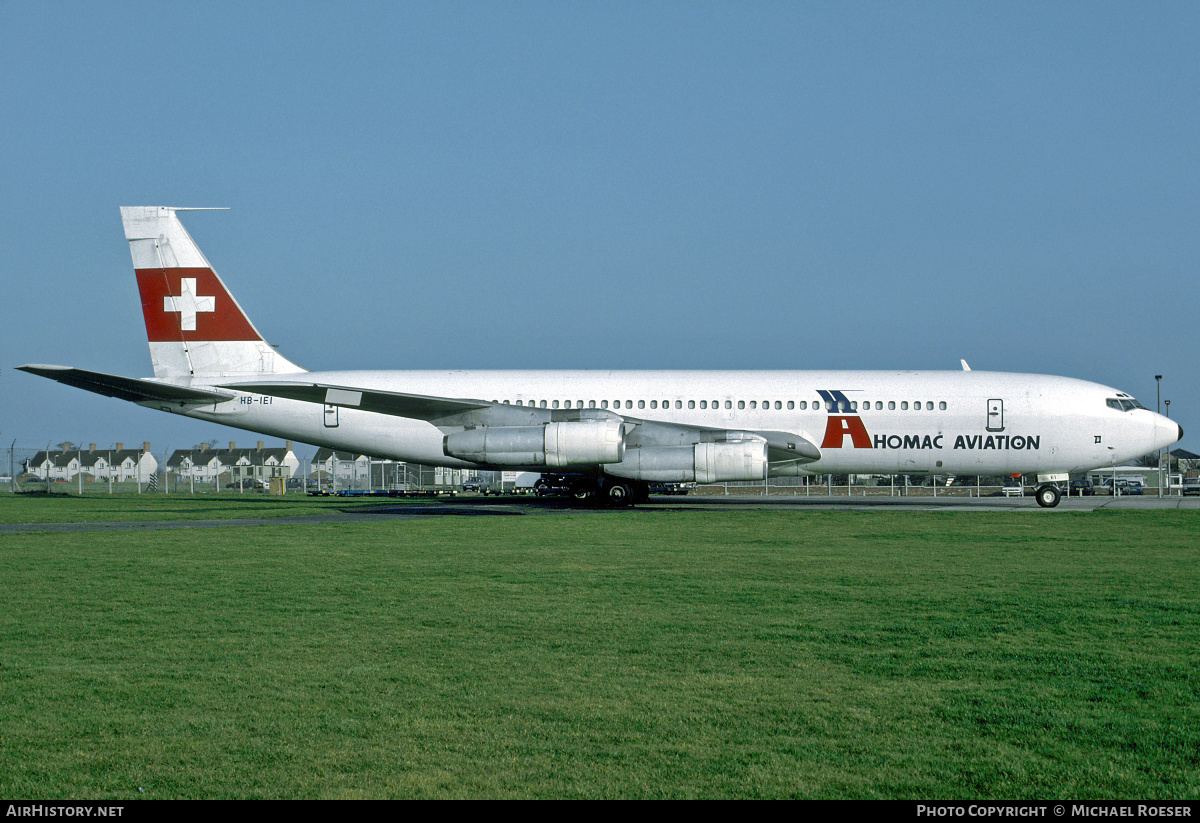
1081	488
612	432
1127	487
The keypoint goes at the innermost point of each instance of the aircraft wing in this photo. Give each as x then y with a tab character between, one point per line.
397	404
125	388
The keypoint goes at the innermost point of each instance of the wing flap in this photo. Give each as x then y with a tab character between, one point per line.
397	404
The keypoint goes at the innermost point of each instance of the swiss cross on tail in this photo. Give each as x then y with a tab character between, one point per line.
840	425
190	304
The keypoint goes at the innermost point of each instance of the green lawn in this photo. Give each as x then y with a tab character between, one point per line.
67	507
609	654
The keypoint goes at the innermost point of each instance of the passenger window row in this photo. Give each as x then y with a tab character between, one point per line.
853	405
804	405
642	404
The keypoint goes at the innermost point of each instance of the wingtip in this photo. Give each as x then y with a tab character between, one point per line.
34	368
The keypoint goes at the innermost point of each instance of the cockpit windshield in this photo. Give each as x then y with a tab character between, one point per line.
1123	403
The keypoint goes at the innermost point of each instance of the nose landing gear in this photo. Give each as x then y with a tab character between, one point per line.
1047	496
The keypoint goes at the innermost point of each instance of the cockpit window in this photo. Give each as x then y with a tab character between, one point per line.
1123	404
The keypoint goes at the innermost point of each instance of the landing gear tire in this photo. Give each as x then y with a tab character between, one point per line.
1047	496
619	494
582	494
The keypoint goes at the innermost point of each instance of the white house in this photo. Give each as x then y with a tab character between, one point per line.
117	463
205	465
350	470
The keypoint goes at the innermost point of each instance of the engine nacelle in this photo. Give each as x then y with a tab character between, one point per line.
701	463
555	445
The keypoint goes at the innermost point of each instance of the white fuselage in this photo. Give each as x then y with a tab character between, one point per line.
944	422
614	431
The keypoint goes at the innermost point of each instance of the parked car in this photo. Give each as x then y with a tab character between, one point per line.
474	485
1082	488
1191	485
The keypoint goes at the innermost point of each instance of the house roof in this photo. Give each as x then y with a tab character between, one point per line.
227	457
60	458
324	453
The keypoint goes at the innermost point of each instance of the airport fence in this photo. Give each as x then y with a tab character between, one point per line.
897	486
19	475
879	487
24	469
27	469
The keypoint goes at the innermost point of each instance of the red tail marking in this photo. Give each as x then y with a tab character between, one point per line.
164	320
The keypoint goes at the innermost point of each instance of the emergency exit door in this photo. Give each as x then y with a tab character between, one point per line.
995	416
331	416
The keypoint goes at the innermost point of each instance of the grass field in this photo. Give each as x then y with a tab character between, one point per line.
66	507
608	654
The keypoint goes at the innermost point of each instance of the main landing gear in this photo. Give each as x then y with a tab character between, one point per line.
612	492
1047	495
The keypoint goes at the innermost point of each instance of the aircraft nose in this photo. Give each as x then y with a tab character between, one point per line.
1166	432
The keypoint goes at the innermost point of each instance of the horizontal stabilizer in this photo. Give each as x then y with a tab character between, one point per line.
416	406
125	388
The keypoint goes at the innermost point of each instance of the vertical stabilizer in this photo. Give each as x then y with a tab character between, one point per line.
194	326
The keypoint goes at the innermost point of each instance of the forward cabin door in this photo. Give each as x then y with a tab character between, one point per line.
331	416
995	415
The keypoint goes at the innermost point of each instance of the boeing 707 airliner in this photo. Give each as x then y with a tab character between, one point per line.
611	432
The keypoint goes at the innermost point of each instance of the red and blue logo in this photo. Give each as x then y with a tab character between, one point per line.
839	426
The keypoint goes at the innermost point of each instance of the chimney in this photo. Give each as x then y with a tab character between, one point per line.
120	446
232	445
91	448
260	445
146	447
64	448
287	444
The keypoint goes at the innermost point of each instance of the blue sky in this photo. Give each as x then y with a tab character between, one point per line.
613	185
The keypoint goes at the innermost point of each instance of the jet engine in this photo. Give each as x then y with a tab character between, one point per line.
701	463
555	445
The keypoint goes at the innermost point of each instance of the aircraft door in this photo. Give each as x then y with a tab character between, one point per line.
331	416
995	415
